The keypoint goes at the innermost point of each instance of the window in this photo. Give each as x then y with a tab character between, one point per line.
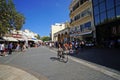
97	20
76	6
102	7
95	2
96	10
117	2
82	14
88	24
102	17
75	28
101	1
110	4
77	17
111	14
81	28
81	2
118	11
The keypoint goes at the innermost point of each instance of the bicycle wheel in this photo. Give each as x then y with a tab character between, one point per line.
65	57
59	54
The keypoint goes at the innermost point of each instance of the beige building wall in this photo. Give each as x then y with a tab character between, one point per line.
56	28
63	35
80	16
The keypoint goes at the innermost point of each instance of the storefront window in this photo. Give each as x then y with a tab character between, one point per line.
110	4
111	14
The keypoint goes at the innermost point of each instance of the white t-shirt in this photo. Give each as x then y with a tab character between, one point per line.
2	47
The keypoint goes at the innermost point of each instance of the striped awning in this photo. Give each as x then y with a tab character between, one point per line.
10	39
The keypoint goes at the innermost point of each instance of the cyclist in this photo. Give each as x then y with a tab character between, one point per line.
66	47
60	49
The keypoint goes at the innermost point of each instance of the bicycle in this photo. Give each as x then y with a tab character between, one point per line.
63	55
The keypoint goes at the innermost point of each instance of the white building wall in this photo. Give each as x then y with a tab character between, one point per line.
56	28
26	33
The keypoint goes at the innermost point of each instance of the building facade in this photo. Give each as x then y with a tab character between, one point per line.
56	28
81	20
63	35
24	35
107	21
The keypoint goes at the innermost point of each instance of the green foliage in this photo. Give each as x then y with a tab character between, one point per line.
18	21
45	38
38	36
10	18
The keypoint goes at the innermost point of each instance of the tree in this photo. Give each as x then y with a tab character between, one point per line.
45	38
38	36
3	17
17	19
10	18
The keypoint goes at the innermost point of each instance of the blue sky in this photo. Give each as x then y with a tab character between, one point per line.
41	14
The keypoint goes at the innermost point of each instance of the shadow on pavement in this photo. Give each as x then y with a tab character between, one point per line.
105	57
57	59
54	58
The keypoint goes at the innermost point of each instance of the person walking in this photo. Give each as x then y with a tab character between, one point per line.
10	46
2	48
17	47
82	44
24	48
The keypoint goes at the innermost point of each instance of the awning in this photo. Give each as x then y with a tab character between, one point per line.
81	34
73	35
20	39
30	40
1	40
84	33
10	39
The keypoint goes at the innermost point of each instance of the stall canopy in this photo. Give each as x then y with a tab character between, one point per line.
1	39
10	39
20	39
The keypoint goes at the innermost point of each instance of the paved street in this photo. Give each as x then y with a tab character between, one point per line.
106	57
43	62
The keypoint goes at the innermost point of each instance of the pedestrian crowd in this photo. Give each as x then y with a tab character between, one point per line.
6	48
73	46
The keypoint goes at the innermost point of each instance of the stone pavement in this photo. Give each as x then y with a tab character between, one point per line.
103	56
12	73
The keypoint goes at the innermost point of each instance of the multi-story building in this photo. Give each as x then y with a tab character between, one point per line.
107	20
56	28
23	35
63	35
81	20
